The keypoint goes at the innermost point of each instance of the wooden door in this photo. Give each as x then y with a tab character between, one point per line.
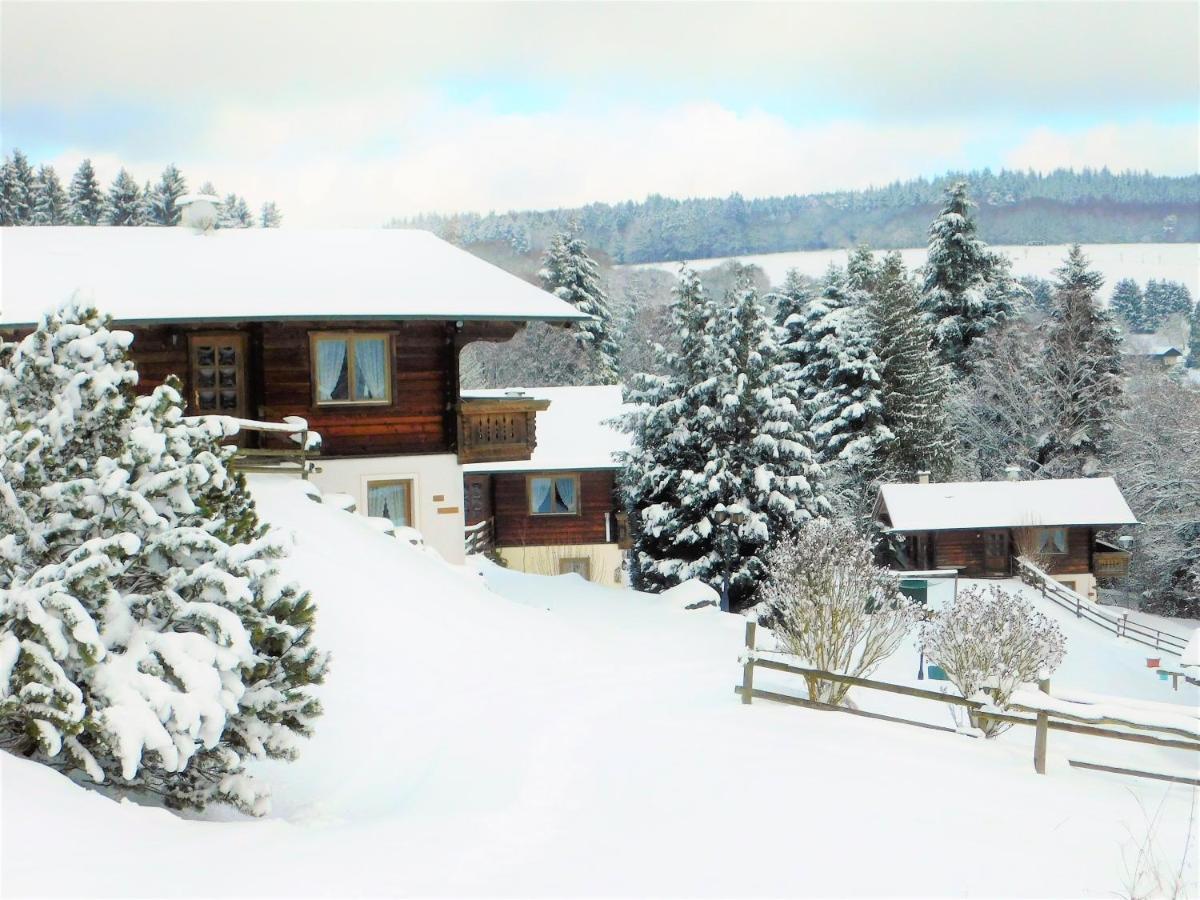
217	374
995	552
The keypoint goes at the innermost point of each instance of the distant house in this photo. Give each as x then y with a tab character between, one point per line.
1150	348
979	528
356	331
557	511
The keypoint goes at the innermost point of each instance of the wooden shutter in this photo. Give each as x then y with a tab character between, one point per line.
217	374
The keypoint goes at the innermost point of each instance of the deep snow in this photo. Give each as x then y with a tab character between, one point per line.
552	737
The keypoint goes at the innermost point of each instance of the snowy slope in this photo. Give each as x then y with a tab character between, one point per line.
546	738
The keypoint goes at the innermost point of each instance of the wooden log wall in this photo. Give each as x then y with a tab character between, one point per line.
515	527
964	550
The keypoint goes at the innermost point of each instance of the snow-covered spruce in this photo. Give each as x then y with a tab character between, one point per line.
830	605
146	637
571	275
992	638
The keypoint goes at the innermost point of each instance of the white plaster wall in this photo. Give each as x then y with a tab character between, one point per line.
605	559
437	475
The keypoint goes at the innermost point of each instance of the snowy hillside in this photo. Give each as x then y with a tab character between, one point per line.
1141	262
504	734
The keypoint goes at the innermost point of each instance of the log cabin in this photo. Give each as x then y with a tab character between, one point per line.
358	332
556	512
979	528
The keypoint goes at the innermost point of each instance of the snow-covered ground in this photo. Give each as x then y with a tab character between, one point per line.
1141	262
505	734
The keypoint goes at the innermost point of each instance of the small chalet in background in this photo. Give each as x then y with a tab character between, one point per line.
358	332
979	528
557	511
1151	349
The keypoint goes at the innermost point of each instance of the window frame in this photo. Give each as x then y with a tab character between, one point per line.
237	339
368	481
566	561
1046	547
574	476
351	337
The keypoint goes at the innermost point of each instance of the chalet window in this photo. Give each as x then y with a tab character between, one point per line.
1052	541
554	496
391	499
218	374
578	565
352	368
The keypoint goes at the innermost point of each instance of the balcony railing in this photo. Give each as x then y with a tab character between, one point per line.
294	453
497	429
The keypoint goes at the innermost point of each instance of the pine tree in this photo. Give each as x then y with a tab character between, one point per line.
968	290
1127	303
1193	359
270	217
17	188
1083	359
790	302
86	201
571	275
234	213
49	198
841	378
163	198
123	205
146	638
914	385
1154	306
861	272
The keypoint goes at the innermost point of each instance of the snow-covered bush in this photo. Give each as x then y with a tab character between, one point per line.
992	638
146	636
830	605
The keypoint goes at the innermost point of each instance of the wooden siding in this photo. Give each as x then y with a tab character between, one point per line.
964	550
515	527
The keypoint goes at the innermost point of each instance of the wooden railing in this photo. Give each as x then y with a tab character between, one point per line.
1083	608
479	537
498	429
1043	720
296	457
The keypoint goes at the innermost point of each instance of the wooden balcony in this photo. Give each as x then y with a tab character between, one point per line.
1110	563
497	429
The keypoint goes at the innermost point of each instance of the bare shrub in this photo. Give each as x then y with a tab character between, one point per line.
832	606
992	638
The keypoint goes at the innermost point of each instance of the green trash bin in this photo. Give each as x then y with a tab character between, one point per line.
915	589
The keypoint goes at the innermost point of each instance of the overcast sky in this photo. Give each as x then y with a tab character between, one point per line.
350	113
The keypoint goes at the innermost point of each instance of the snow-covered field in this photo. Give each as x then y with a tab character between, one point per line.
511	735
1141	262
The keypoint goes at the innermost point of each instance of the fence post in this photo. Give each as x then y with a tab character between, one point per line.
1156	633
1043	727
748	668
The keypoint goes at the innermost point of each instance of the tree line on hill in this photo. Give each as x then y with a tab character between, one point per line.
780	408
37	197
1092	206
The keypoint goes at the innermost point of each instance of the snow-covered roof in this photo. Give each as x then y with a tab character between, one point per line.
180	274
1005	504
192	198
571	434
1147	345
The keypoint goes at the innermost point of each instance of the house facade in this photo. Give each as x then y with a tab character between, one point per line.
557	511
357	332
980	528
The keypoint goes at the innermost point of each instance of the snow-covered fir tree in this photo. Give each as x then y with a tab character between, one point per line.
968	289
1193	358
861	272
790	302
123	205
270	216
162	200
1083	365
671	425
49	198
915	384
147	639
1127	303
841	376
1162	300
571	275
85	200
16	190
234	212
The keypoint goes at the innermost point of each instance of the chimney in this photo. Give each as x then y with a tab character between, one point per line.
1012	473
923	476
198	211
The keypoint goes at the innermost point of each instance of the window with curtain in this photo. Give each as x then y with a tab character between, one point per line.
1052	541
554	496
391	500
351	368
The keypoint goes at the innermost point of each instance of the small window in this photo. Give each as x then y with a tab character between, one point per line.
554	496
576	565
1052	541
352	368
391	500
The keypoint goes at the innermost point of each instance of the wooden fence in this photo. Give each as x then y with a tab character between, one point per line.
1084	609
1043	721
479	537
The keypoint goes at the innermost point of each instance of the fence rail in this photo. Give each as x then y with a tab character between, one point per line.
1040	719
479	537
1121	626
307	444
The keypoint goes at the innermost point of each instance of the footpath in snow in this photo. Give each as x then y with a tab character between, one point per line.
493	733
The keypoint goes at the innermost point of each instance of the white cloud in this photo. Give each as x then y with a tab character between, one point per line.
1161	148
